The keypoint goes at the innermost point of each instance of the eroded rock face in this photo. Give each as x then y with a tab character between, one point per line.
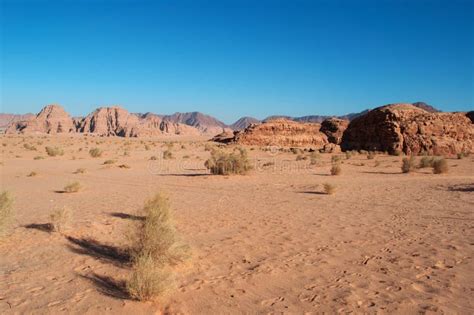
282	132
52	119
153	125
333	128
109	121
409	129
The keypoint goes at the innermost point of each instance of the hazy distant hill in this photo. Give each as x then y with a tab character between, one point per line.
7	119
243	123
204	123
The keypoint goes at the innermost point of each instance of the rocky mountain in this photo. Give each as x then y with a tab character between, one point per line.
51	119
243	123
104	121
410	129
8	119
204	123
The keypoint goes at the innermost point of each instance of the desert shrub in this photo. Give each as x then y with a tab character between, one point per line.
29	147
377	163
155	247
126	166
32	174
126	153
314	157
186	156
72	187
6	211
296	150
38	158
408	164
54	151
167	155
95	152
426	161
222	163
329	188
336	158
153	158
80	171
440	166
348	155
60	219
183	147
208	147
268	164
301	157
108	162
147	147
336	169
371	155
147	279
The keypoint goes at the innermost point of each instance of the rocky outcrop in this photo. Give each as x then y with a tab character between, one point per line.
52	119
109	121
9	119
333	128
282	132
152	125
225	137
470	115
409	129
204	123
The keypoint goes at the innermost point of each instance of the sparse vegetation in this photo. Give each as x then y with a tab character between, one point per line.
426	161
29	147
126	166
95	152
80	171
314	157
336	169
440	166
108	162
72	187
60	219
301	157
153	158
167	155
38	158
6	211
54	151
408	164
329	189
222	163
155	248
371	155
32	174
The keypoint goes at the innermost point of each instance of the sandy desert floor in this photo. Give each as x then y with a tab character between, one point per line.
267	242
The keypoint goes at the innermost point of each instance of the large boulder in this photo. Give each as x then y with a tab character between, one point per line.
409	129
282	132
333	128
52	119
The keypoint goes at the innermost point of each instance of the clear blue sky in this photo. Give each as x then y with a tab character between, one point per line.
235	58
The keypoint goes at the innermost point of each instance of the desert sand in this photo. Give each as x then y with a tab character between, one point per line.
267	242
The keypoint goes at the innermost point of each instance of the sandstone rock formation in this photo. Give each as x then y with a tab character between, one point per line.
409	129
9	119
52	119
152	125
282	132
204	123
224	137
109	121
333	128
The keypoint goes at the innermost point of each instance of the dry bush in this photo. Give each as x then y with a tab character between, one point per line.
296	150
108	162
80	171
72	187
32	174
208	147
371	155
301	157
377	163
147	147
153	158
329	188
222	163
186	156
336	158
408	164
268	164
60	219
38	158
167	155
155	247
336	169
147	280
440	166
126	166
95	152
314	157
426	161
54	151
29	147
348	155
6	211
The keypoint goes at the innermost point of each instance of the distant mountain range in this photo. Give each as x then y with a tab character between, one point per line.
207	124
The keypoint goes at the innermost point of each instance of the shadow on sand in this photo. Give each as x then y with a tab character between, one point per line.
108	286
93	248
45	227
127	216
